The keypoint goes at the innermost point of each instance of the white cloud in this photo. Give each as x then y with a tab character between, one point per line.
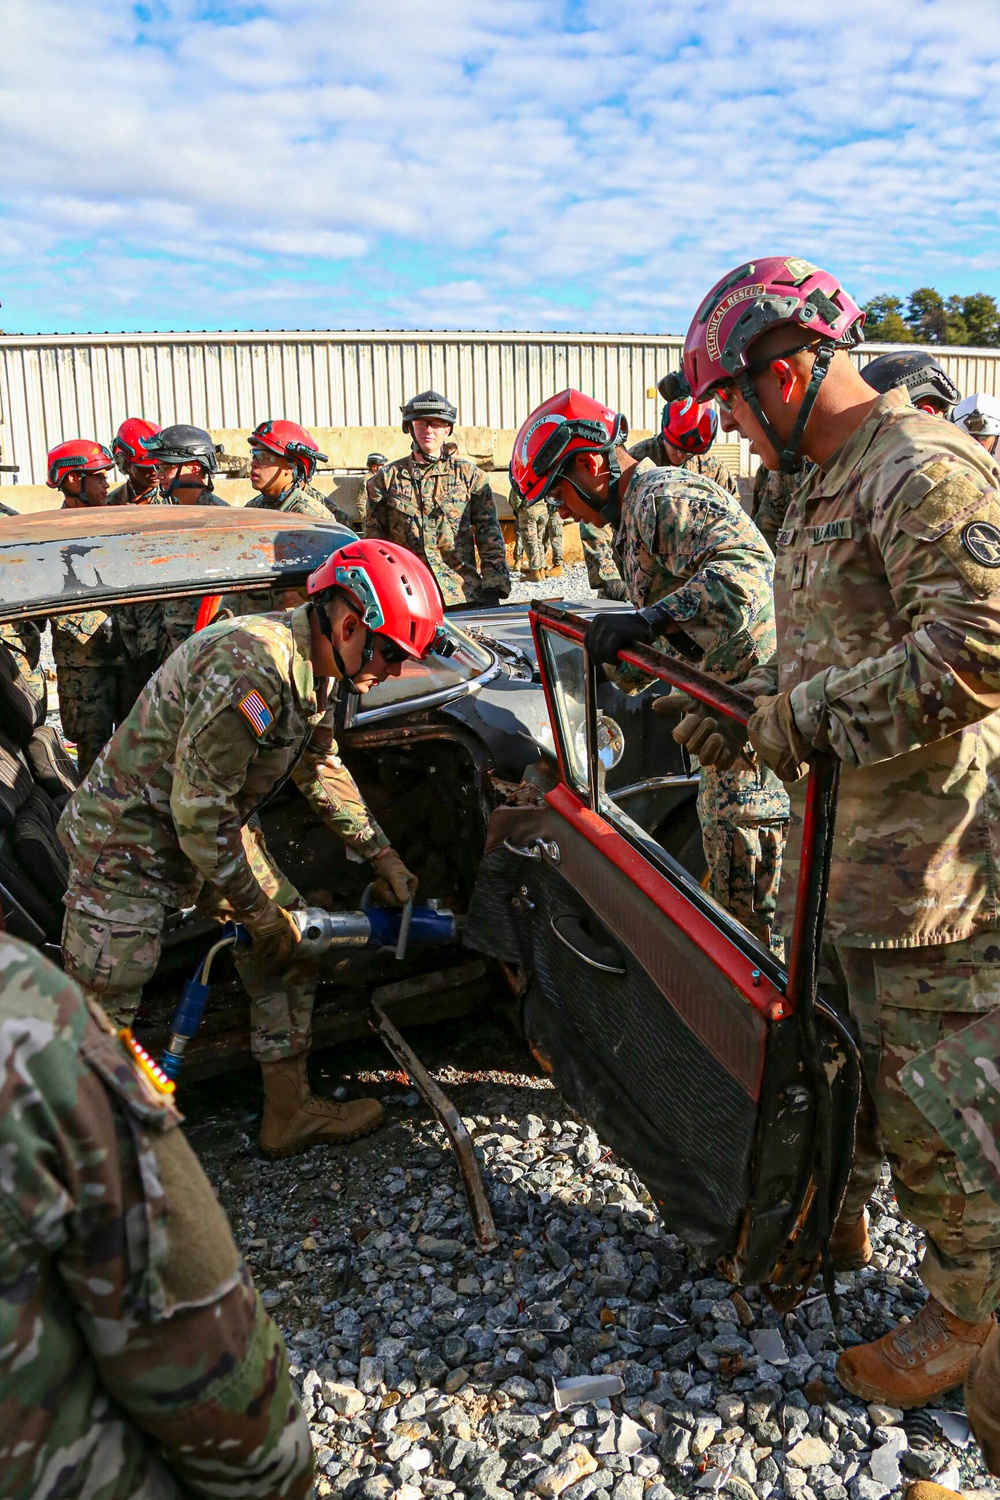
372	162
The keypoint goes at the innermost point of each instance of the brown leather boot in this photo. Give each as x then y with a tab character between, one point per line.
555	572
926	1489
535	575
294	1120
916	1361
850	1247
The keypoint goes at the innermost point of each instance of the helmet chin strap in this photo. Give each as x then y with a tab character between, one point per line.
789	452
611	510
347	678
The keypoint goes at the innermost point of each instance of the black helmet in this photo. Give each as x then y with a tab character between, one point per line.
183	445
919	374
375	458
428	404
673	387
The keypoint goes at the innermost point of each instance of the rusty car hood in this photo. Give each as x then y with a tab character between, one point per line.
59	561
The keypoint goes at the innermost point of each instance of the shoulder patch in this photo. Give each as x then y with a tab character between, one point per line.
255	711
982	540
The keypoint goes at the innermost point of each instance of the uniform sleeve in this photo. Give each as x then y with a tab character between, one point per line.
377	508
333	794
210	768
493	569
132	1286
727	570
939	537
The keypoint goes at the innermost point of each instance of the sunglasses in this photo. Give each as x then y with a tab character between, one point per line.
728	390
391	652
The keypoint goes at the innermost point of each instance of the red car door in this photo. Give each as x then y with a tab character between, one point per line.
704	1062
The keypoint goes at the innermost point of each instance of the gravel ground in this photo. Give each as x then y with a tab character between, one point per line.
427	1368
572	585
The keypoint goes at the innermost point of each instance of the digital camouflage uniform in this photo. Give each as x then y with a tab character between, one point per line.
444	512
532	522
772	491
140	625
553	537
88	652
163	820
23	640
683	539
180	615
655	449
603	573
887	592
135	1357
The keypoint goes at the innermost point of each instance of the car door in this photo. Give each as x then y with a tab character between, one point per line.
697	1056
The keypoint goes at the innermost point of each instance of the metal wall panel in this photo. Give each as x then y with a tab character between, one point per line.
67	386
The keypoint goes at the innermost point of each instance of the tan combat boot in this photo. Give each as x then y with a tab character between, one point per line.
294	1120
926	1489
917	1361
850	1247
555	572
982	1400
535	575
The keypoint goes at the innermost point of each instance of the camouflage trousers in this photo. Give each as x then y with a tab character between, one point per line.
598	555
88	708
743	828
554	537
111	947
904	1002
532	521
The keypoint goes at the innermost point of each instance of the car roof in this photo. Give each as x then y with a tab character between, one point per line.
61	561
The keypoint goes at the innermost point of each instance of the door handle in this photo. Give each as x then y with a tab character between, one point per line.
601	955
535	849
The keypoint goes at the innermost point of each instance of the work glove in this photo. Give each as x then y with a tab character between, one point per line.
274	934
715	739
614	588
488	598
775	737
394	883
608	634
674	702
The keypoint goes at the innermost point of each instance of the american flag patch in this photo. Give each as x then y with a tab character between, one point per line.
253	708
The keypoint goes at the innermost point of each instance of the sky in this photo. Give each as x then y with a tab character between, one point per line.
590	165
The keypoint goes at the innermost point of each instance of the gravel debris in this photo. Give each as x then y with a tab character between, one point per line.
427	1368
572	586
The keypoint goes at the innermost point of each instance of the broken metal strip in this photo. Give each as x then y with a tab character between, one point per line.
472	1178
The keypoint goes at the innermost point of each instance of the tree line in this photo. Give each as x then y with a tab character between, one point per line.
928	318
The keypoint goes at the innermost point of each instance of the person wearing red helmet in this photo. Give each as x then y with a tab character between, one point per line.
235	711
887	589
687	431
141	482
699	575
87	648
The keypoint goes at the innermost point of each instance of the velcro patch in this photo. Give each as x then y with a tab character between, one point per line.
982	539
830	531
785	536
256	712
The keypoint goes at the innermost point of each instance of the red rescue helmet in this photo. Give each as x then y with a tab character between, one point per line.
77	456
757	296
396	593
689	425
290	441
127	449
546	442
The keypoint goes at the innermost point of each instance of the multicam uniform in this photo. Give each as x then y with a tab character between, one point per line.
444	511
655	449
164	818
135	1357
772	491
681	538
887	594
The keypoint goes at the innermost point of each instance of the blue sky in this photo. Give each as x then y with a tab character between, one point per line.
531	164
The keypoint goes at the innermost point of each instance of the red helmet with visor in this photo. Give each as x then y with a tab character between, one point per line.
561	427
396	593
690	425
290	441
76	456
127	449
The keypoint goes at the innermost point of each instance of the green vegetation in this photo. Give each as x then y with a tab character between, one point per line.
929	318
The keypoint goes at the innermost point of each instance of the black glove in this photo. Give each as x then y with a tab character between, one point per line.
488	598
608	634
614	588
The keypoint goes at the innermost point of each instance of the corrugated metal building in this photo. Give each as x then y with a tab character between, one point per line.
57	387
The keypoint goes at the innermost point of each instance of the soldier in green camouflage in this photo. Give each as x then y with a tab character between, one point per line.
553	537
441	507
887	588
532	521
603	573
87	647
687	431
135	1356
166	816
366	490
695	563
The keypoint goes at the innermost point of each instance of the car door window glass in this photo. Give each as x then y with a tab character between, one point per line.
567	676
435	674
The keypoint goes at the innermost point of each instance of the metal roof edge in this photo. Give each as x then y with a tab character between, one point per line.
337	336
